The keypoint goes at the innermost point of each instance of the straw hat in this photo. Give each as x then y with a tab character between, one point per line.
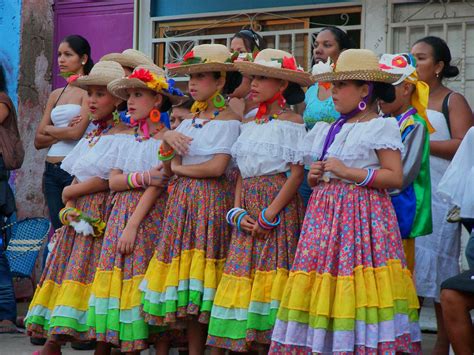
128	58
357	64
102	74
149	77
274	63
204	58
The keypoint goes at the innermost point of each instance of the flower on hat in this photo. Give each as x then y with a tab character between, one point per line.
289	63
152	81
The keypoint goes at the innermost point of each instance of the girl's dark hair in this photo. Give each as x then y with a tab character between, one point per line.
342	38
3	81
80	46
293	94
383	91
252	40
233	79
165	104
441	53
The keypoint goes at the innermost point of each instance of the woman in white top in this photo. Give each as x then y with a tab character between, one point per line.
54	131
437	254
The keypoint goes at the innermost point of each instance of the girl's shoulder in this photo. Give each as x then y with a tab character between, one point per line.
291	116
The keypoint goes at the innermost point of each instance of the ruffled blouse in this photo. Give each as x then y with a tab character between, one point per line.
356	144
269	148
115	151
214	137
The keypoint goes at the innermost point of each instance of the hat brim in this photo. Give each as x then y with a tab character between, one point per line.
119	88
84	82
297	77
125	60
201	68
364	75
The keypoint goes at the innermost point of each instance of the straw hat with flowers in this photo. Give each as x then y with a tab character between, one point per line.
130	58
204	58
275	63
357	64
102	74
150	77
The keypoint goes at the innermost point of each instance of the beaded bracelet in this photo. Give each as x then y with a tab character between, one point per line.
265	224
368	178
165	155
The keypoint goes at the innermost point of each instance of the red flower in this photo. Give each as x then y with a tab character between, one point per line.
289	63
142	74
73	78
188	56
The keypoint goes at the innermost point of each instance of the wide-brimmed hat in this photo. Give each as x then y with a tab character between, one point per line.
102	73
204	58
149	77
129	58
357	64
275	63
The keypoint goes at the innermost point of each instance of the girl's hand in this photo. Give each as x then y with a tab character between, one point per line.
247	223
315	173
126	241
178	141
75	121
259	232
158	177
72	216
335	166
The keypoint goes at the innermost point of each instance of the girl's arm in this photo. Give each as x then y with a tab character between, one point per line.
42	139
87	187
127	239
209	169
389	176
247	223
75	132
118	181
461	120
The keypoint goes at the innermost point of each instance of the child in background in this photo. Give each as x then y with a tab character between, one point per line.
180	112
412	202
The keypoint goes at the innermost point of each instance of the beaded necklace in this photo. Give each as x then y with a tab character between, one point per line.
206	121
94	136
269	118
140	138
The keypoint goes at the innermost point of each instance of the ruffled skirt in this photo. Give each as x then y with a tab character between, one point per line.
114	305
59	306
349	291
183	275
256	271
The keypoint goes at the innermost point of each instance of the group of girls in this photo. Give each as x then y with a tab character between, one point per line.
199	234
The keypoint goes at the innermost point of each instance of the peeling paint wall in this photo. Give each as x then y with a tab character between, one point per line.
34	87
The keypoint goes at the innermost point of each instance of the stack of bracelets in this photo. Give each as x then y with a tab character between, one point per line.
263	223
133	180
234	216
165	155
98	226
369	179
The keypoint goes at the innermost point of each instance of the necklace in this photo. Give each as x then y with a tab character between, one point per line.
269	118
94	136
144	137
206	121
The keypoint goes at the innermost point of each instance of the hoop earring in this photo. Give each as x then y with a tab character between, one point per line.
362	105
155	115
115	116
218	101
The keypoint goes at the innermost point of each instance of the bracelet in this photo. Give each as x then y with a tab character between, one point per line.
165	158
234	216
129	181
372	179
63	214
265	224
165	155
134	180
370	173
149	177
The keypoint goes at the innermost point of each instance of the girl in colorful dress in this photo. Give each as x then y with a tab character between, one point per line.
180	283
268	211
131	234
59	305
349	290
412	203
318	105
